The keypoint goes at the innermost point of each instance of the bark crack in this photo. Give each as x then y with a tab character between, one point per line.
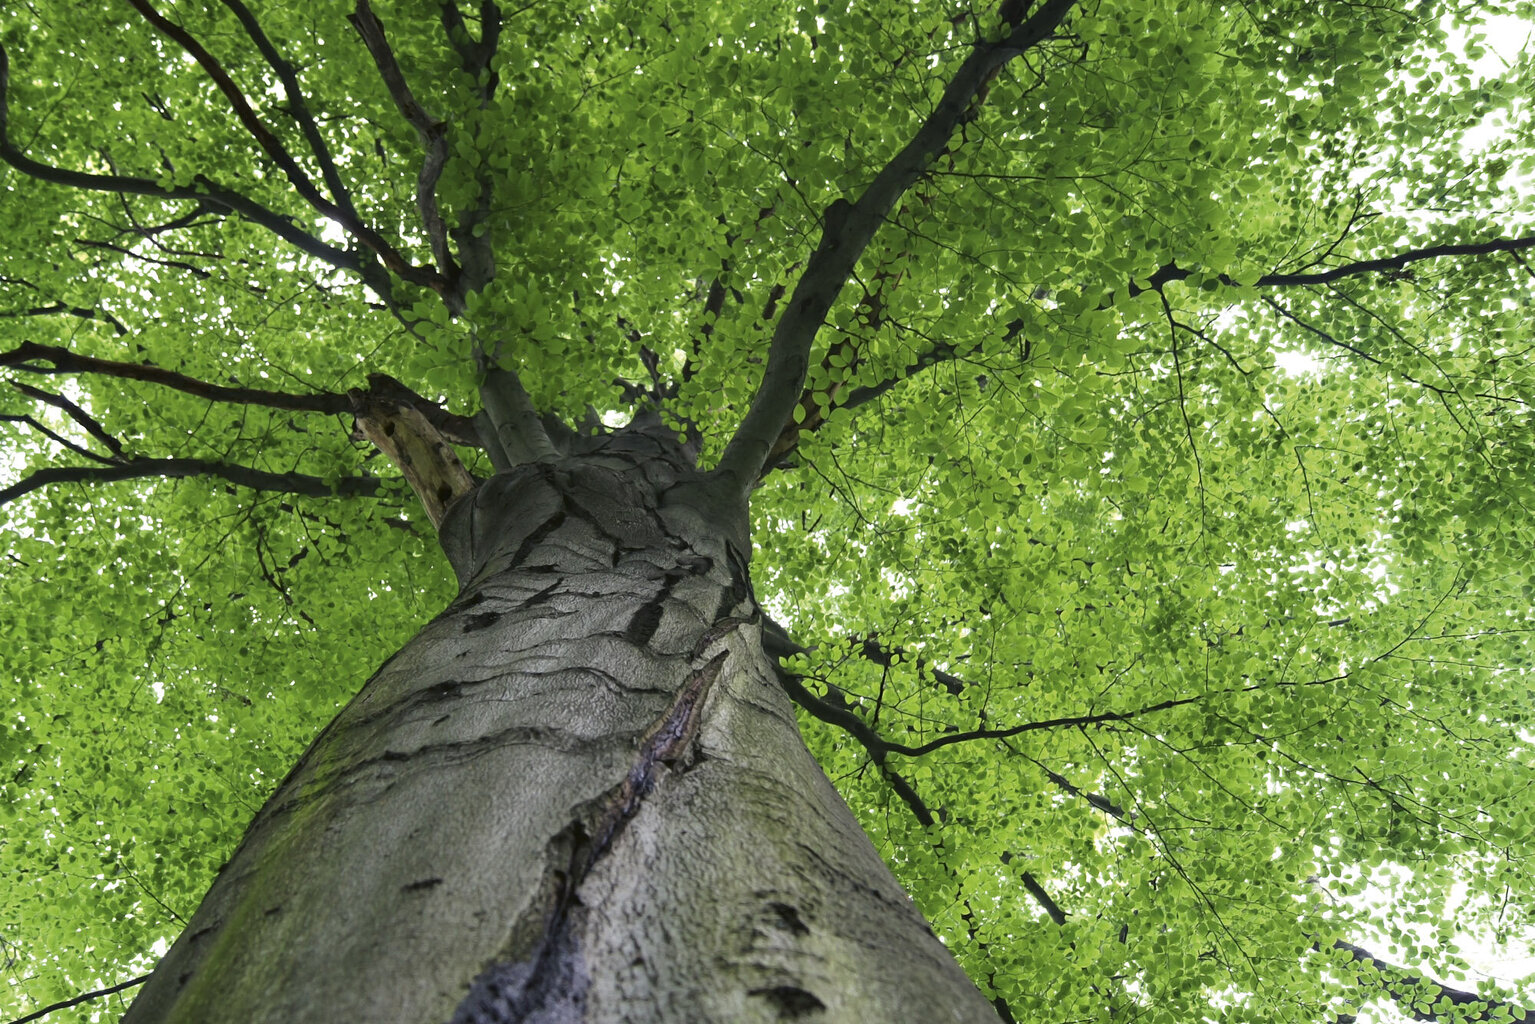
663	746
549	983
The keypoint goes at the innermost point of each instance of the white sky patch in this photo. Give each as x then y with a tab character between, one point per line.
1504	38
1295	363
332	232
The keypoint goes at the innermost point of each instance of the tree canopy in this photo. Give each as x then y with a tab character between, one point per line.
1152	536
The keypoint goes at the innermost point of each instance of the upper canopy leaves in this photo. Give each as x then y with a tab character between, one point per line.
1154	509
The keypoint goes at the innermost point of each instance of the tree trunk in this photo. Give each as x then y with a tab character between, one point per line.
577	795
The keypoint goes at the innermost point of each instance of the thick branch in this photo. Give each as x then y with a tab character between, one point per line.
417	449
776	642
55	437
433	133
1098	800
90	423
1172	272
475	56
476	242
1070	721
941	352
77	1000
847	230
1401	984
298	106
1043	898
247	116
841	717
175	469
58	308
511	430
205	192
62	360
340	211
1404	985
458	429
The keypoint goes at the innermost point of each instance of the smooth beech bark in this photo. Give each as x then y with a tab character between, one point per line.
578	794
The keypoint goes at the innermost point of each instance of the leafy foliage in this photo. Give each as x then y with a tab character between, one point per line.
1159	565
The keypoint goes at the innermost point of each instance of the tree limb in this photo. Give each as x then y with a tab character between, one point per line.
83	312
948	739
476	248
1170	272
432	132
298	106
62	360
340	210
474	56
90	423
417	449
204	192
1051	908
247	115
846	231
1404	985
776	642
509	425
77	1000
1400	984
458	429
941	352
175	469
1098	800
56	438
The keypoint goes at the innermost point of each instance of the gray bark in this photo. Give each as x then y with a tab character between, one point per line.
577	795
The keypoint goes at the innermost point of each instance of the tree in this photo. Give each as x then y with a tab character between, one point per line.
1108	423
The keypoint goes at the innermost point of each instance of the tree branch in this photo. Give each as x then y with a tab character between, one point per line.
432	133
1098	801
1404	985
298	106
509	426
247	116
175	469
847	229
1170	272
458	429
84	313
474	56
77	1000
1051	908
417	449
1401	984
90	423
476	244
941	352
341	210
204	192
56	438
62	360
777	643
948	739
182	265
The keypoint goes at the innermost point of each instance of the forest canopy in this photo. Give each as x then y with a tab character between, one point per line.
1149	545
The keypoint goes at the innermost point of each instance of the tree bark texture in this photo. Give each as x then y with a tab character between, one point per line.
577	795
